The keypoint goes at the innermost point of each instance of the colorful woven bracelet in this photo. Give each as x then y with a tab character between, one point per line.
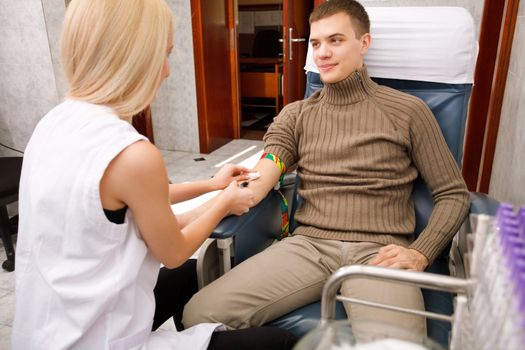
277	161
285	225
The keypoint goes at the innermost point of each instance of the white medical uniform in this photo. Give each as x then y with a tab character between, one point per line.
83	282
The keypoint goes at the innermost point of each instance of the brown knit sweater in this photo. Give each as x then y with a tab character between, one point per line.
358	147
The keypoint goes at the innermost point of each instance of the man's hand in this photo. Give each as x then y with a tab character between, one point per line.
398	257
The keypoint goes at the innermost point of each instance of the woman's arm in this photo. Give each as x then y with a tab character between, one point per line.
268	176
191	215
137	178
181	192
188	190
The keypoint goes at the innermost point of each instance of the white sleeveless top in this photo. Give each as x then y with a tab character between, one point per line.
83	282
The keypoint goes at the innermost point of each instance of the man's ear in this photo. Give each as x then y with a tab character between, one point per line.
366	40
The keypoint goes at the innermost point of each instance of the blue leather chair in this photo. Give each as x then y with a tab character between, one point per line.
449	103
255	231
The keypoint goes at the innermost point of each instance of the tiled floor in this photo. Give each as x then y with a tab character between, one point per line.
181	167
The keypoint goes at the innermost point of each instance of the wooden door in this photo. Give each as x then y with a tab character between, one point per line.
216	72
295	35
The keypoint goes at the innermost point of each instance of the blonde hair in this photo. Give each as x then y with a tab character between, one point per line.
113	51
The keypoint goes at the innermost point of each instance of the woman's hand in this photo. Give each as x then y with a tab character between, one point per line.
238	199
229	173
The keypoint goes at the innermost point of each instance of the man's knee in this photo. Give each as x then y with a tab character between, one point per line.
198	310
214	306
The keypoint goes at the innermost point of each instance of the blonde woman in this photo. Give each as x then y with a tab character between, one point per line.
95	216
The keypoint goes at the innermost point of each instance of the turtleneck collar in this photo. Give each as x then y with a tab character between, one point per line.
356	87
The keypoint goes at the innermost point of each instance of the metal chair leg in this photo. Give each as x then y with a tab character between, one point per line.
5	231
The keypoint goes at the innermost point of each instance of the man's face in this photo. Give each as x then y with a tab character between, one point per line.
337	52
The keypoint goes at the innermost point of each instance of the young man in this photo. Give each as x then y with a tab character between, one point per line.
358	148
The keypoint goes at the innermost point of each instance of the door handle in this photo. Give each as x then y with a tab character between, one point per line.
293	40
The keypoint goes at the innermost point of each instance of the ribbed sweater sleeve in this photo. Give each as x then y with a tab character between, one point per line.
439	171
281	136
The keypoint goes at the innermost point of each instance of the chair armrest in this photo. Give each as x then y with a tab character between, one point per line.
261	214
255	230
481	203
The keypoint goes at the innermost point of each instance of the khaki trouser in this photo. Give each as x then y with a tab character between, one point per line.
291	274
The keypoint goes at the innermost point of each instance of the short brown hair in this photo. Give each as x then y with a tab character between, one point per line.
352	8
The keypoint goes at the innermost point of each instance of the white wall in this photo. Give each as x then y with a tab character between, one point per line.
32	82
175	112
27	82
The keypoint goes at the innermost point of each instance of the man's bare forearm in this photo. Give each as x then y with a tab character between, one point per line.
269	176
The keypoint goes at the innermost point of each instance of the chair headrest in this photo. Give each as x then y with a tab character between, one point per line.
436	44
432	44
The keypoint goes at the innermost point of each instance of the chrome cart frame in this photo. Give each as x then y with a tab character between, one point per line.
462	288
